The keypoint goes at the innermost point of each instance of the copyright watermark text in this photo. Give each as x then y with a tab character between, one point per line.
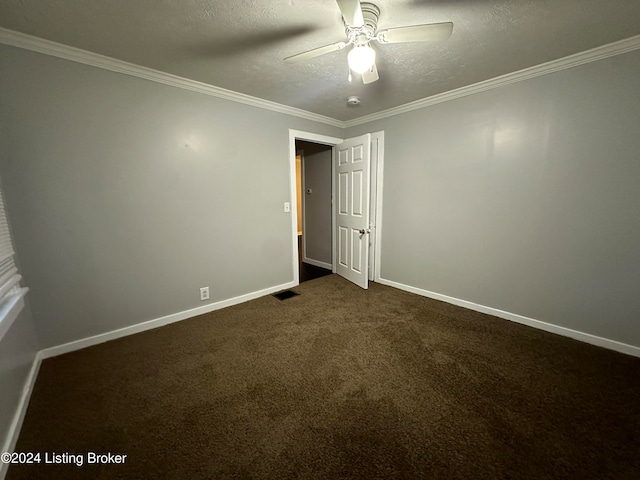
77	459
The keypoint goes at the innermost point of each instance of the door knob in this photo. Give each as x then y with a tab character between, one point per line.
362	231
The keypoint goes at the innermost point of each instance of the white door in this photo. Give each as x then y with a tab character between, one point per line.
352	209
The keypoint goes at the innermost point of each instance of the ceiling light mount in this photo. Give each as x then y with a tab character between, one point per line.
353	101
371	14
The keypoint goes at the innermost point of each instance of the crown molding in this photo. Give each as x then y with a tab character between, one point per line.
593	55
28	42
35	44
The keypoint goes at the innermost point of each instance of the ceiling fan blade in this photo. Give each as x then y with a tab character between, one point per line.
416	33
316	52
370	75
246	42
351	12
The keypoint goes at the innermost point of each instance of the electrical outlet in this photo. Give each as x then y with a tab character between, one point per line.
204	293
287	207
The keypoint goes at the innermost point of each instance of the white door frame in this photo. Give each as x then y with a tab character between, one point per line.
377	168
375	206
316	138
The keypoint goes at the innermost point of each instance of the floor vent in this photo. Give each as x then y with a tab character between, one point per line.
285	294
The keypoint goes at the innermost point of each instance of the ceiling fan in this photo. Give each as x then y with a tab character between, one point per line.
361	20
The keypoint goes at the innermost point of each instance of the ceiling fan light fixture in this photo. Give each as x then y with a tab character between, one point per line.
360	19
361	58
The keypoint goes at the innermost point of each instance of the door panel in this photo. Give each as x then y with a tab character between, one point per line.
352	210
356	178
356	251
343	193
343	238
343	157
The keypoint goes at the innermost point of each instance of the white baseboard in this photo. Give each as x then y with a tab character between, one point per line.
317	263
158	322
549	327
21	409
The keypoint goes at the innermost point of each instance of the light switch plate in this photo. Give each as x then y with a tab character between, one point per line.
287	207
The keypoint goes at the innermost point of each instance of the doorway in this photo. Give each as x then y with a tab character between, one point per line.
361	250
313	200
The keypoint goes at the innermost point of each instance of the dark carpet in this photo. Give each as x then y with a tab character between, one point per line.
339	383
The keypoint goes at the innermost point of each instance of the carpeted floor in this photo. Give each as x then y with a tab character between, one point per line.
339	383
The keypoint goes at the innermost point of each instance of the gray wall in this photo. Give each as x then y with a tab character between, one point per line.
317	205
523	198
17	351
128	195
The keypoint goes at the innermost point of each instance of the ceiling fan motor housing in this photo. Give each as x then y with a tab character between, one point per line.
363	34
371	13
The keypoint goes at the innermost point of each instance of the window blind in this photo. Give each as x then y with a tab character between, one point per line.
11	294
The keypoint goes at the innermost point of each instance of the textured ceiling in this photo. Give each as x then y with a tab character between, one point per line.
239	44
